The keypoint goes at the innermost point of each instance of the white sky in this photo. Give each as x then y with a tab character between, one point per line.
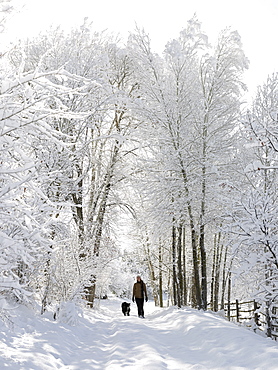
255	20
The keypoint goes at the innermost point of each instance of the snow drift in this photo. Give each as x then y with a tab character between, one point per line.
103	338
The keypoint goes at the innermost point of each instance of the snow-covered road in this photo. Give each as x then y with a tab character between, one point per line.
105	339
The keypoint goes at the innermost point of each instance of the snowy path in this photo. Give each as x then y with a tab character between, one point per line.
166	339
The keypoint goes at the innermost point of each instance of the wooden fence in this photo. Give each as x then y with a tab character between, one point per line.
255	316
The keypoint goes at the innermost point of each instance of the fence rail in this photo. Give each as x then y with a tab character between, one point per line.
255	316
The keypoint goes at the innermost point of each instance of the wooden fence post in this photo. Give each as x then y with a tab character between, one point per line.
229	310
268	319
256	315
237	310
274	323
229	297
269	323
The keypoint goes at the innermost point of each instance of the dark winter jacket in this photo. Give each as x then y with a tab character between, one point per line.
139	288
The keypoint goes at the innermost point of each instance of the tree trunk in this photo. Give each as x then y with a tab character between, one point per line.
90	292
152	276
224	279
196	275
219	252
184	270
202	218
160	276
197	288
212	285
179	264
229	295
96	233
174	262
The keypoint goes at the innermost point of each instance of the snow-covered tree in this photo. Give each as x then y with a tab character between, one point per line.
27	211
192	100
254	218
97	145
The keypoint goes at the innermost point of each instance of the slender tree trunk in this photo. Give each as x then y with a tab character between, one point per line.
77	210
212	285
184	270
47	273
152	276
196	275
45	293
169	289
219	252
96	234
179	264
160	276
174	262
229	293
193	300
203	269
224	279
194	244
90	291
202	226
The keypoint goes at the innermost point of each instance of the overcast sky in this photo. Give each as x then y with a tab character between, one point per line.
255	20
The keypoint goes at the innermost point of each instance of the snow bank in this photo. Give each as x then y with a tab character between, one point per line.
105	339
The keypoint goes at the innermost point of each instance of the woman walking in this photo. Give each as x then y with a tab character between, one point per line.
139	289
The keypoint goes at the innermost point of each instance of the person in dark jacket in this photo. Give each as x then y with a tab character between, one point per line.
139	290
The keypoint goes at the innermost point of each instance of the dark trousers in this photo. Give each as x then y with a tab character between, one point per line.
140	306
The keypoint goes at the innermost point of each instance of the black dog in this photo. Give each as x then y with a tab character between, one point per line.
126	308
